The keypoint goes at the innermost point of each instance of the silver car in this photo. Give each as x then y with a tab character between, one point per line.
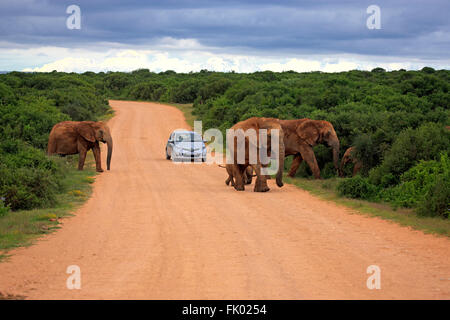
185	145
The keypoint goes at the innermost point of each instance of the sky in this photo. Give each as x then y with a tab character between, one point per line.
240	36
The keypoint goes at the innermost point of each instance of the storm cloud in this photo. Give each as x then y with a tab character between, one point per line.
412	30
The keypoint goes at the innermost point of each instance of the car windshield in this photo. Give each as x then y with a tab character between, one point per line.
188	137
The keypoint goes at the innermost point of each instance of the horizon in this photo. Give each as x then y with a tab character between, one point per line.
231	71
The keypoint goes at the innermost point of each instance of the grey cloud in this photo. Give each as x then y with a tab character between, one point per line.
409	28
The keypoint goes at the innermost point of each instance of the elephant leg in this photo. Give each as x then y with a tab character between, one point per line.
238	174
230	175
97	156
308	155
248	175
82	158
229	179
261	180
295	164
244	177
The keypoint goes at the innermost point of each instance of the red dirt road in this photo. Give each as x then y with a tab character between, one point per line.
156	230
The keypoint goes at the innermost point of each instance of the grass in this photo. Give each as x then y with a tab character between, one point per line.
108	115
21	228
326	189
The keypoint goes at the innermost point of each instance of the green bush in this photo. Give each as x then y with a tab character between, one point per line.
30	121
366	152
6	94
152	91
357	187
186	92
424	143
80	104
425	187
328	171
28	178
3	209
436	201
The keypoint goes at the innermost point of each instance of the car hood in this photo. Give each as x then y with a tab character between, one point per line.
189	145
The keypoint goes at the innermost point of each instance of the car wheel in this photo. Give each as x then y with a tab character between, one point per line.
167	156
203	159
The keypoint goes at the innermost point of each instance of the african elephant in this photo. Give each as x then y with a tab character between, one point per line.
301	135
248	175
238	169
349	157
71	137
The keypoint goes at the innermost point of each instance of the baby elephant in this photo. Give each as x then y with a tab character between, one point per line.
349	157
72	137
248	175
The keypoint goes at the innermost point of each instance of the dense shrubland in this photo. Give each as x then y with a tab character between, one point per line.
30	104
395	120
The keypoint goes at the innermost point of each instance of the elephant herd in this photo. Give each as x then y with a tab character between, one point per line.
296	138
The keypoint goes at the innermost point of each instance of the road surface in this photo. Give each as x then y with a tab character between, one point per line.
156	230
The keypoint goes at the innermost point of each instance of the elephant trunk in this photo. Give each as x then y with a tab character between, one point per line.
279	176
109	142
335	146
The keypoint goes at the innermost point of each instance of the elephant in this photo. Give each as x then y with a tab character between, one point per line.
237	169
72	137
349	157
301	135
248	175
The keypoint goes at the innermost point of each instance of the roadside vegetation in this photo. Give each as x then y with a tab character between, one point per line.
37	190
22	227
327	189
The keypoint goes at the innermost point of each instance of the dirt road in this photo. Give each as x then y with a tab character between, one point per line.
157	230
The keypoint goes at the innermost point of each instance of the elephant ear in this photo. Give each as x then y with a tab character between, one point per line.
324	132
308	132
100	133
86	131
